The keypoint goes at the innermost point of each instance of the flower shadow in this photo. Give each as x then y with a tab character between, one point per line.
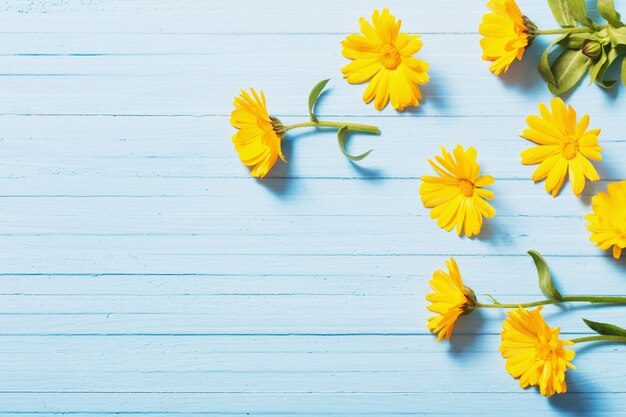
278	182
466	331
609	173
493	232
578	401
621	262
524	74
433	97
592	188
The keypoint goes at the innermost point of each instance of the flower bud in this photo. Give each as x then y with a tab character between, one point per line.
592	50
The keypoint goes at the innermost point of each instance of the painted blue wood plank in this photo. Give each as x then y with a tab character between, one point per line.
144	273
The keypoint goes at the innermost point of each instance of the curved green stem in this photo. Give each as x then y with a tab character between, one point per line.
565	299
619	339
338	125
564	31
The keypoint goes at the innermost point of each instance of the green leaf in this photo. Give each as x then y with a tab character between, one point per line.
617	36
568	70
341	137
579	11
314	95
545	279
611	55
606	8
562	14
605	328
624	71
577	40
544	65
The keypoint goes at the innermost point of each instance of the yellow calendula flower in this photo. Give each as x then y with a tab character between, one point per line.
456	196
565	147
384	55
608	221
449	300
534	352
507	33
259	137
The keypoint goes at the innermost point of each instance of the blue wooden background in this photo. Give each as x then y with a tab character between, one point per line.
144	271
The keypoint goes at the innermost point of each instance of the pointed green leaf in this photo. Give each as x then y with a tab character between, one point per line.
341	137
624	71
545	279
578	9
313	96
562	14
568	70
605	328
544	65
606	8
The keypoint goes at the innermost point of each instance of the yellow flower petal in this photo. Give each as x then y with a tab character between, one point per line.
538	154
607	224
564	146
534	353
384	56
257	141
505	35
449	300
456	196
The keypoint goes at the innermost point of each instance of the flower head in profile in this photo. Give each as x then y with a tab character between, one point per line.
259	135
507	33
449	300
608	221
456	196
384	55
565	147
534	352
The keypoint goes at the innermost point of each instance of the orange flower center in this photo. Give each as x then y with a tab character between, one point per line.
466	187
569	149
548	346
390	57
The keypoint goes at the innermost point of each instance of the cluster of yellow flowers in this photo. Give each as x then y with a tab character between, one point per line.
457	195
532	349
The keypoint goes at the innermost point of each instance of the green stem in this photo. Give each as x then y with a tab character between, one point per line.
620	339
564	31
338	125
565	299
512	305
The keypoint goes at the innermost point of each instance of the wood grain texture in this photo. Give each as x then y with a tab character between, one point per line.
145	273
